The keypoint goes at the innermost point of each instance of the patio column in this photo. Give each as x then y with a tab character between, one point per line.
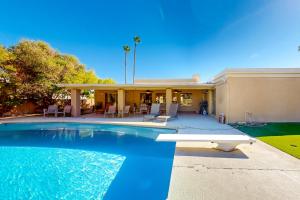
121	100
210	102
168	99
75	102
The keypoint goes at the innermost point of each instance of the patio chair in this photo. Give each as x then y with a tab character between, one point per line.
67	110
154	112
172	113
125	111
135	109
111	111
52	109
143	108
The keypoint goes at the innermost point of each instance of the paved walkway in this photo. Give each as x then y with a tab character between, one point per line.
256	171
253	172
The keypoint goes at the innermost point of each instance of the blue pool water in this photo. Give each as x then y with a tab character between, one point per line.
83	161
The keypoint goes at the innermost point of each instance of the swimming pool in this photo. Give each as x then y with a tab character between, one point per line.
83	161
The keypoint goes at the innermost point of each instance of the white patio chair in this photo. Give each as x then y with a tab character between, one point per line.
111	111
52	109
143	108
126	110
67	110
154	112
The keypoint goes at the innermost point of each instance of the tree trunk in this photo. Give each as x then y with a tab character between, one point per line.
134	56
125	68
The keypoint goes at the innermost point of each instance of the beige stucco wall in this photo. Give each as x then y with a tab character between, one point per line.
269	99
132	97
100	97
221	99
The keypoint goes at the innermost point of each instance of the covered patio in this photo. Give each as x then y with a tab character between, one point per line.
191	98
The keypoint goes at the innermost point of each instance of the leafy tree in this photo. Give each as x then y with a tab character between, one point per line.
106	81
8	81
7	71
30	71
36	70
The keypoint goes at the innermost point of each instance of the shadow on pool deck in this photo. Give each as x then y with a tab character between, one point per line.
209	152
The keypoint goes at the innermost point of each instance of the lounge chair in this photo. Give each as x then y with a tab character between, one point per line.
172	113
52	109
154	112
111	111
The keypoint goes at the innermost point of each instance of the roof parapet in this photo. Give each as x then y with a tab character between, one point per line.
194	80
256	72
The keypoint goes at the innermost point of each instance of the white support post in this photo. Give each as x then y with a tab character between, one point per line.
210	102
121	101
168	99
75	102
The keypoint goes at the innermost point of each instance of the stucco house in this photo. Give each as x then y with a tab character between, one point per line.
265	94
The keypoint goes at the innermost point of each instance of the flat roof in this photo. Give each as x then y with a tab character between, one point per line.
162	84
151	86
257	72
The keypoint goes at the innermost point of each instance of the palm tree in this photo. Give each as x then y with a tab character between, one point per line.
136	40
126	49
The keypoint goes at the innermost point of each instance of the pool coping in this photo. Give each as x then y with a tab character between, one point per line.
135	124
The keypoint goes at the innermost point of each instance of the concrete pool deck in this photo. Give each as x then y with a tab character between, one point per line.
185	123
257	171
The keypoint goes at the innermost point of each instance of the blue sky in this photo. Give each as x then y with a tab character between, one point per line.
179	37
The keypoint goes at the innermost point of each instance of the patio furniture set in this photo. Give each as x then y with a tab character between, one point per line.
53	109
151	113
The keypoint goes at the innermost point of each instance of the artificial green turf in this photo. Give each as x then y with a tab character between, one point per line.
284	136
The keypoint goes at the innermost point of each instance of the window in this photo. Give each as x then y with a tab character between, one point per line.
186	99
146	98
110	98
160	98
